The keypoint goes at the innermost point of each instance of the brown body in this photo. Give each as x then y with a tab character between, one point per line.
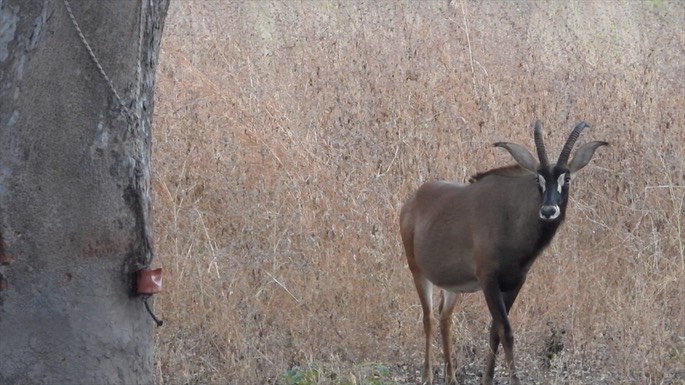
485	236
453	245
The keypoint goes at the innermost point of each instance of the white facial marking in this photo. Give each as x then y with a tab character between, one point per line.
542	182
560	182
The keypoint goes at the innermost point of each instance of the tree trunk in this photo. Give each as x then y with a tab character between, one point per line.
74	190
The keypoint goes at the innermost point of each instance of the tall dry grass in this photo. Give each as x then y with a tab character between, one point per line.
288	134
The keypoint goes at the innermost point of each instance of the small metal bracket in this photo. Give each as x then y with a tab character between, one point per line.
149	282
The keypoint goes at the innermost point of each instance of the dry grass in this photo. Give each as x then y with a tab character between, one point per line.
288	134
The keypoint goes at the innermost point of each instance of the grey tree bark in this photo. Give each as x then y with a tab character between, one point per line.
74	190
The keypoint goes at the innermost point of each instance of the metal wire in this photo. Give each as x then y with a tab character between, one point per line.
158	321
97	62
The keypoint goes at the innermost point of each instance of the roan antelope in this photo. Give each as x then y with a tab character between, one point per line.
485	236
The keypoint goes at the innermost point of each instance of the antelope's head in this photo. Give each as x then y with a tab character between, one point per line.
553	179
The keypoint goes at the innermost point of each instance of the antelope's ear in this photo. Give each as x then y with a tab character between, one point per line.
584	155
522	156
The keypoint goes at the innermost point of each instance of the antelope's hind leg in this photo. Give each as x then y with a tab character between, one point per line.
425	289
447	304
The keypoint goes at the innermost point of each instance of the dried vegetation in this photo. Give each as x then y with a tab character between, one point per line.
288	134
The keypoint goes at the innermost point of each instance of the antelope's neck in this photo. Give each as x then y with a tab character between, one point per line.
547	232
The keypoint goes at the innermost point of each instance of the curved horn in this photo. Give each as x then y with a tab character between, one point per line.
540	144
566	151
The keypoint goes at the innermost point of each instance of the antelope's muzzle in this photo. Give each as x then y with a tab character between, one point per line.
549	212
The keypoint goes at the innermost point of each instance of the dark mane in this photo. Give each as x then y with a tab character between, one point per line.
512	170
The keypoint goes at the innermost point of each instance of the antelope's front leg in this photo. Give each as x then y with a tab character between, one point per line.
500	330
